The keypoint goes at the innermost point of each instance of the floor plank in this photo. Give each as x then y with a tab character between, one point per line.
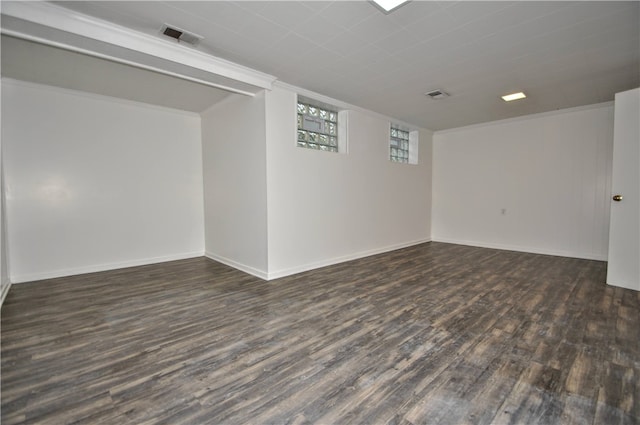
435	333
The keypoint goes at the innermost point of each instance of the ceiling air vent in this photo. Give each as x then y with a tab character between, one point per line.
437	94
180	34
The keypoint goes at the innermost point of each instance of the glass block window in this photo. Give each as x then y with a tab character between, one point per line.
317	127
399	145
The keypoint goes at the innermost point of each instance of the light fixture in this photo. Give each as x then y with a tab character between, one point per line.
513	96
389	6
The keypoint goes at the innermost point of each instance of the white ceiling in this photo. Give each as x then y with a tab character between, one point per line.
562	54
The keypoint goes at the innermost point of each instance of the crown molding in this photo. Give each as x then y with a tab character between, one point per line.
68	21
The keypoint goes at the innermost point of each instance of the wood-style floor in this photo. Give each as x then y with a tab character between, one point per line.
431	334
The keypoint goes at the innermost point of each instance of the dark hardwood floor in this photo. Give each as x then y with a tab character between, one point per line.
431	334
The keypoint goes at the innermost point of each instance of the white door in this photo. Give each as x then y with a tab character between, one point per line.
623	268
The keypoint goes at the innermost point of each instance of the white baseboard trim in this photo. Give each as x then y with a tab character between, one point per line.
507	247
336	260
236	265
21	278
5	291
310	266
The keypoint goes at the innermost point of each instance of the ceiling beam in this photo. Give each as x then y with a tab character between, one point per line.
56	26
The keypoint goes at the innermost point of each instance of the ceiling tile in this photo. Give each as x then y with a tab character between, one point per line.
474	49
371	58
349	13
399	40
293	45
412	12
252	6
262	31
561	17
594	10
129	15
435	52
375	28
511	16
219	13
465	12
316	5
433	25
345	43
289	14
318	30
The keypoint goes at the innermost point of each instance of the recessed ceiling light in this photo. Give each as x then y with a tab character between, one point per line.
513	96
388	6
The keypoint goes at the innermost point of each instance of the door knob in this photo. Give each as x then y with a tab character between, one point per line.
617	198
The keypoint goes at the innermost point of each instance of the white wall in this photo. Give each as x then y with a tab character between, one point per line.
235	197
95	183
325	207
550	173
99	183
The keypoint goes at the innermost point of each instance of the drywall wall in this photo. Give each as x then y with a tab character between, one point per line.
538	184
94	183
326	207
235	197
